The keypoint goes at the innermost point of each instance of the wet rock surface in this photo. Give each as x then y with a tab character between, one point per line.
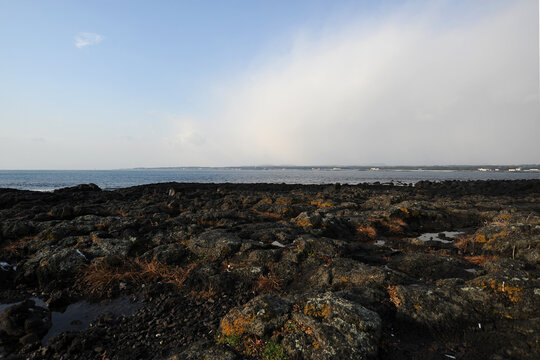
23	324
267	271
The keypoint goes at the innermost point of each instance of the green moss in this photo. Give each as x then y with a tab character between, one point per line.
290	326
273	351
231	340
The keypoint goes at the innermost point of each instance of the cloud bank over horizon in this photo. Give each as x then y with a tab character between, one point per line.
404	91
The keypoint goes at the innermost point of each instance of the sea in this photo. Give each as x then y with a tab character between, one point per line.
49	180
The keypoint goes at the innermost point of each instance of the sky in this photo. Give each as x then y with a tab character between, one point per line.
122	84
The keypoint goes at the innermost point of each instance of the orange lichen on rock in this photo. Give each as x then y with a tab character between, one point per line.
512	292
320	203
479	260
321	311
394	298
236	323
501	220
480	238
269	214
409	213
394	226
304	221
464	243
367	230
284	201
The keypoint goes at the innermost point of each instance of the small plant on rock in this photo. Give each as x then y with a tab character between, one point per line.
14	247
231	340
270	282
273	351
100	277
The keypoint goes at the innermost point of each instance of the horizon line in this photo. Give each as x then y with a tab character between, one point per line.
336	166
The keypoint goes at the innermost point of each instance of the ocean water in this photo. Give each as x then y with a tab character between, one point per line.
48	180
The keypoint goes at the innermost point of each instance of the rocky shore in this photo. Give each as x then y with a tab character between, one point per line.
444	270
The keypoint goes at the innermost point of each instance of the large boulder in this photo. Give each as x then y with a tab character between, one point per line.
52	264
59	265
16	229
171	254
516	240
103	247
320	327
431	266
79	188
308	245
343	273
331	327
441	308
322	223
349	272
308	220
260	317
215	244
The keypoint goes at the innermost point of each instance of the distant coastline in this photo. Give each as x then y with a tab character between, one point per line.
48	180
483	168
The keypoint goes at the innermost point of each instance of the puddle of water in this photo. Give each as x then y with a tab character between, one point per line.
435	236
79	315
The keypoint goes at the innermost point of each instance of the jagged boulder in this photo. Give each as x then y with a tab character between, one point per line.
215	244
320	327
260	316
53	265
441	308
103	247
171	254
331	327
431	266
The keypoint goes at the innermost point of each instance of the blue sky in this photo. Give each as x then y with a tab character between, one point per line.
117	84
155	56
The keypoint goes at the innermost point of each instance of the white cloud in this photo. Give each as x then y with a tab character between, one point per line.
185	133
409	89
84	39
